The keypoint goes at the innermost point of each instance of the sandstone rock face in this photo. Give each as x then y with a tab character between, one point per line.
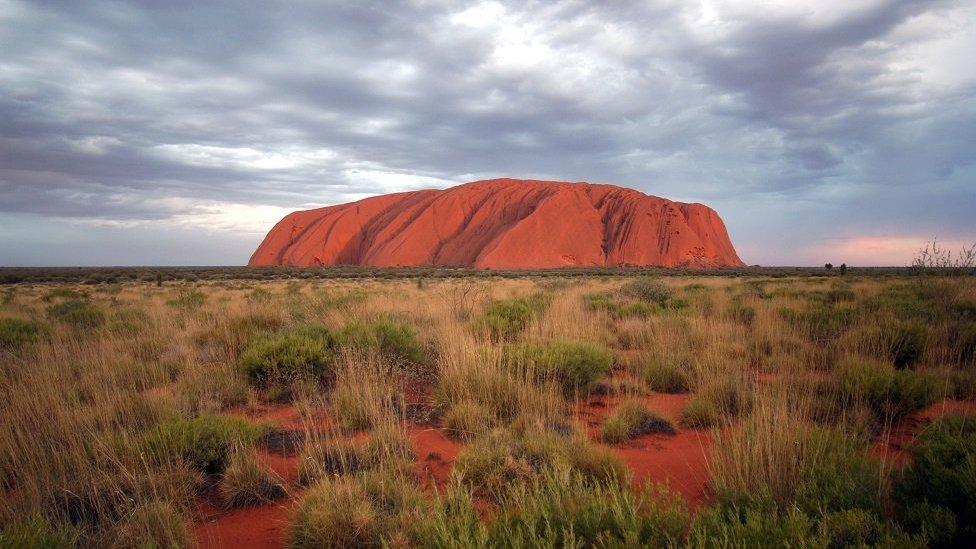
504	224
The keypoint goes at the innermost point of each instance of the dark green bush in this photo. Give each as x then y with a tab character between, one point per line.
15	332
77	313
943	475
719	399
205	442
574	365
64	293
650	290
826	322
302	353
891	394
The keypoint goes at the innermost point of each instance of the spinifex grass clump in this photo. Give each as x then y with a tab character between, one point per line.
573	365
891	394
204	442
499	461
666	374
77	313
633	419
15	332
246	481
937	492
374	509
717	400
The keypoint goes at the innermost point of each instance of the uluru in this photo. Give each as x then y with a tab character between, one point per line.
504	224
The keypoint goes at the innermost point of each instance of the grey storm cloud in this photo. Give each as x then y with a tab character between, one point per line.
804	123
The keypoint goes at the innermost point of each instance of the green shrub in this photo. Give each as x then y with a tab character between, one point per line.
562	509
504	320
641	309
154	524
664	375
205	442
248	482
15	332
394	340
601	302
718	399
753	527
631	420
574	365
35	532
371	510
650	290
300	354
79	314
943	475
891	394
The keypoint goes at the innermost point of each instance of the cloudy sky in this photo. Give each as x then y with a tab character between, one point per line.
179	132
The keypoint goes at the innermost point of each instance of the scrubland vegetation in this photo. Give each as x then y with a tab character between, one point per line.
453	412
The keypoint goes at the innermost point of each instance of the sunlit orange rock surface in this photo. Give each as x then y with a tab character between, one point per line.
504	224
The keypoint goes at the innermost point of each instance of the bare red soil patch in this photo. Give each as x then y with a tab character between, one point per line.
435	454
260	527
678	461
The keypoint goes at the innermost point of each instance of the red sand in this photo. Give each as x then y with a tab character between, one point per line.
678	461
435	454
260	527
503	224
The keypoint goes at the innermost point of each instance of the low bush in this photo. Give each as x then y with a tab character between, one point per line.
631	420
650	290
77	313
300	354
205	442
574	365
371	510
699	414
891	394
248	482
209	388
153	524
15	332
941	481
663	374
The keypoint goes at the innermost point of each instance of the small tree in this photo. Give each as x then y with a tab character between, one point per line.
829	266
843	269
933	257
